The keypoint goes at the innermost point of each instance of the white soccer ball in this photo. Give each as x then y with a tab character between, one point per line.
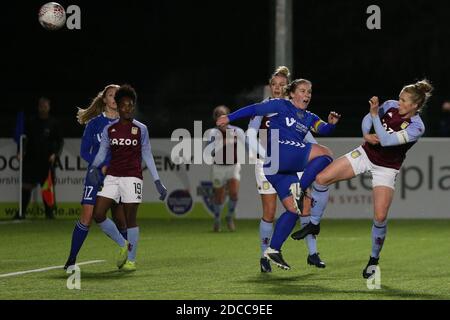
52	16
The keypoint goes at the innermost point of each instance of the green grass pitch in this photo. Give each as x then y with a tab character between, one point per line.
181	258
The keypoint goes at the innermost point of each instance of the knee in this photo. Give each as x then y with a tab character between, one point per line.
321	178
99	217
327	151
121	225
290	206
234	196
380	218
219	199
269	213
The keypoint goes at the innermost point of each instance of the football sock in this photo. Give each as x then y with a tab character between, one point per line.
265	233
231	207
123	232
319	194
310	239
379	230
79	233
110	229
133	237
312	169
217	210
283	228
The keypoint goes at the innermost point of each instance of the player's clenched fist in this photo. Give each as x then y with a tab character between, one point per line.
374	104
222	121
333	117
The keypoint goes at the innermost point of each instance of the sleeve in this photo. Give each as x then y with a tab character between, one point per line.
252	134
321	127
366	124
255	123
103	151
309	138
412	133
257	109
87	142
147	155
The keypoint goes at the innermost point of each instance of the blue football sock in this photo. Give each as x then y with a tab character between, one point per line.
379	230
217	210
124	234
310	239
133	237
231	207
312	169
320	196
110	229
79	234
283	228
265	233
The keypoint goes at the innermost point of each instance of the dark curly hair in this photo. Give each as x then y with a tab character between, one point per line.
125	90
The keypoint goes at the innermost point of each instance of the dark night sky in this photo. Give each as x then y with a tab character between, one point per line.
185	57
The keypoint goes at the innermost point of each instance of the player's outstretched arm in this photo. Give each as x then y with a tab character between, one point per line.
257	109
323	128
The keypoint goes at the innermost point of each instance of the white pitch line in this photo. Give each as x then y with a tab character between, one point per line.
14	222
46	269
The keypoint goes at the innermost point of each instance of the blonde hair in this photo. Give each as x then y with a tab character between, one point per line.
217	111
281	71
420	92
96	107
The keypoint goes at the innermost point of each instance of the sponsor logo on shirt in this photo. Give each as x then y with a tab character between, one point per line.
290	122
123	142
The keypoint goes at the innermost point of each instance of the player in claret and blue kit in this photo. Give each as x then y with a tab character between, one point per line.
397	126
292	122
101	112
126	140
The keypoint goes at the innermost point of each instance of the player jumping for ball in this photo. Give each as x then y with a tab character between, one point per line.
397	126
291	122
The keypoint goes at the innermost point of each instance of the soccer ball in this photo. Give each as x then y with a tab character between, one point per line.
52	16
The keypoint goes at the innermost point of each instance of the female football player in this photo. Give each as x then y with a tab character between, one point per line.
126	140
225	176
277	83
101	112
288	128
397	126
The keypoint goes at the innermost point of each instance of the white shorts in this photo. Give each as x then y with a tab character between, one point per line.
220	174
381	176
263	186
123	189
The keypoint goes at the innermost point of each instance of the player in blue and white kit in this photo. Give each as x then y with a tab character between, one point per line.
101	112
277	83
289	125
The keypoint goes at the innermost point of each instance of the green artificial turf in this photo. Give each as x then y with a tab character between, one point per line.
181	258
